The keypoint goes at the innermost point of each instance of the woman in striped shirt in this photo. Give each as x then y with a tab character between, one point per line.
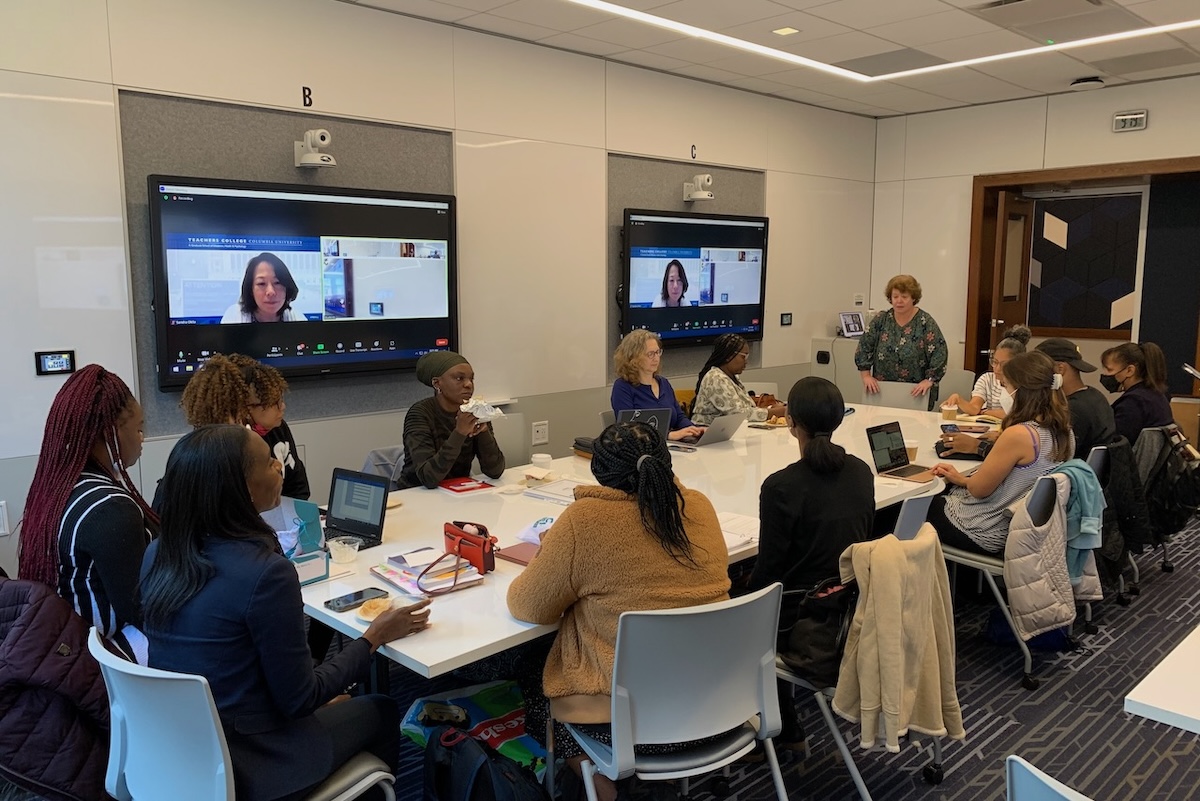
1034	439
86	525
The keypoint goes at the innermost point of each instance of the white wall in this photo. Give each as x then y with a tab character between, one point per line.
925	164
531	125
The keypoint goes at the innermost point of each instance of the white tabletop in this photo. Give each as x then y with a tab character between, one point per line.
473	623
1168	694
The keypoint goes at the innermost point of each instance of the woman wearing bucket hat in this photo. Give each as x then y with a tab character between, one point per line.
440	440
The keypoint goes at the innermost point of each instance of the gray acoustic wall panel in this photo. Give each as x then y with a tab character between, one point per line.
639	183
194	138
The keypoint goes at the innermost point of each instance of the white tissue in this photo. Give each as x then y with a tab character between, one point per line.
484	412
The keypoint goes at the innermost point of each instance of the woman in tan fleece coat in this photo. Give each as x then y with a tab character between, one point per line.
639	541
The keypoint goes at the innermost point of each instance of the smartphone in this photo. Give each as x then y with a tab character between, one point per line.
344	603
950	428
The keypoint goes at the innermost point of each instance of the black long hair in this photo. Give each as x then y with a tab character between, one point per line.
282	273
816	405
1146	357
204	494
633	458
724	348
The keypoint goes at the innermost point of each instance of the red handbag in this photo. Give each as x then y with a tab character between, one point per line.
477	549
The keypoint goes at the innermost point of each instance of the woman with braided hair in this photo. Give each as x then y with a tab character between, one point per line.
719	391
638	541
86	525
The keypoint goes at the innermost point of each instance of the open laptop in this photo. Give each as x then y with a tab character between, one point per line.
357	504
719	430
891	459
658	419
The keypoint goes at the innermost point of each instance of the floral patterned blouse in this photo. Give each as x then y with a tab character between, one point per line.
908	353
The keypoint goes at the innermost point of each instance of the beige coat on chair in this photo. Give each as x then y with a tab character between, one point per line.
899	660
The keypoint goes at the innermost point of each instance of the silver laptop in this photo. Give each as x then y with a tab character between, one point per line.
719	430
357	505
890	456
658	419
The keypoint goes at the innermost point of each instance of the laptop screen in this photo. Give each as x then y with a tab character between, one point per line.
658	419
357	502
887	446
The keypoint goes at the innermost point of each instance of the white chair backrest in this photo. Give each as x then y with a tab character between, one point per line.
913	512
513	437
1041	500
960	381
1027	783
896	395
1098	461
607	418
167	740
685	674
762	388
385	462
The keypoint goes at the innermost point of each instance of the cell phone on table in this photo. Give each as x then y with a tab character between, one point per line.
950	428
353	600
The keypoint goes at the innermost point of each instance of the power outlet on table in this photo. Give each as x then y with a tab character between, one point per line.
541	433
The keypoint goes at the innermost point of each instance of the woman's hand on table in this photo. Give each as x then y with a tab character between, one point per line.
398	623
950	473
959	443
686	431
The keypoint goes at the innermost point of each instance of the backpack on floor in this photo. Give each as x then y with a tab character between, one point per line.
460	768
1173	489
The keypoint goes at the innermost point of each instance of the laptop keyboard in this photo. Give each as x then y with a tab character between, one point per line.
363	542
907	470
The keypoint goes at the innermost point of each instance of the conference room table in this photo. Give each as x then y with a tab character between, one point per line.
474	623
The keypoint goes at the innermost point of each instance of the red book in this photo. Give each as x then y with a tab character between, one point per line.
461	486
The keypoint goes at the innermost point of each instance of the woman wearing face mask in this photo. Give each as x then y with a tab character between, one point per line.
1139	373
1034	439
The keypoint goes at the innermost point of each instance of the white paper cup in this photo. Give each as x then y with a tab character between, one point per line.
541	460
344	550
911	446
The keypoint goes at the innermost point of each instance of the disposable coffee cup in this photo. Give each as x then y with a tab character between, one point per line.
949	412
541	460
344	550
910	445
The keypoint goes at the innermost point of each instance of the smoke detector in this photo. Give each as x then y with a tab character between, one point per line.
1084	84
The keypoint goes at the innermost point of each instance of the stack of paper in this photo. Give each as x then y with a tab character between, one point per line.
561	491
739	530
406	579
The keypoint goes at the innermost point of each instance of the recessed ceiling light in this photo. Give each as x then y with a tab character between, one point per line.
792	58
786	31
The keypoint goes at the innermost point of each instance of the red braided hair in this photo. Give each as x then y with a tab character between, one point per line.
86	410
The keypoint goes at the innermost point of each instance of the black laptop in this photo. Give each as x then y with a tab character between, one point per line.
658	419
357	504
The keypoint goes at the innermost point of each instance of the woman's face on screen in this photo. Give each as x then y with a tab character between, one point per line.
674	286
269	293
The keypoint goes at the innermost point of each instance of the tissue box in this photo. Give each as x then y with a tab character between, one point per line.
311	567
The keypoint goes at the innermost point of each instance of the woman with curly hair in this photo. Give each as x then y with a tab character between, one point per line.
903	343
86	525
241	390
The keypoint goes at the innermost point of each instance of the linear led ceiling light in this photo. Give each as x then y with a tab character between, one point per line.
801	61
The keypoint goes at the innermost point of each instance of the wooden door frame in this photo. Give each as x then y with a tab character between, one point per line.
985	194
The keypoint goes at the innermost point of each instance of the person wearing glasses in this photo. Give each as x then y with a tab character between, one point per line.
985	397
639	386
719	391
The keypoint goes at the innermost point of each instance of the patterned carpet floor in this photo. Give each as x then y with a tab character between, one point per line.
1073	726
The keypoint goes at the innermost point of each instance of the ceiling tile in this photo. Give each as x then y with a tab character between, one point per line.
479	6
807	96
1147	62
966	85
1084	26
933	28
508	27
426	9
1164	12
1165	72
910	101
582	44
760	85
749	63
844	47
806	78
714	14
1045	72
861	14
983	44
801	5
706	73
641	58
1126	47
695	51
894	61
552	14
633	35
640	5
810	27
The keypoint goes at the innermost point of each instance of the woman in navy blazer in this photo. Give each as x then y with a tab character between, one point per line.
220	600
639	386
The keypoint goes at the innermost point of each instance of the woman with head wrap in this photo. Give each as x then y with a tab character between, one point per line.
440	440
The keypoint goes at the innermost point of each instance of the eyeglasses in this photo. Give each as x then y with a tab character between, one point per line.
653	354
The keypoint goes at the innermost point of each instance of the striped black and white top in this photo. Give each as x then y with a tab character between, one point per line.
101	541
985	520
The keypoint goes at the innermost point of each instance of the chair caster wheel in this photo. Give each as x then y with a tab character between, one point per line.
1124	600
721	786
1168	567
1029	682
1135	589
1090	628
933	774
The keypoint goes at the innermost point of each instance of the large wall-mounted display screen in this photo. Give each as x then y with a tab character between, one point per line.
312	281
692	277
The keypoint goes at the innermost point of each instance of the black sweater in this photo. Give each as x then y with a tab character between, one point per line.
434	451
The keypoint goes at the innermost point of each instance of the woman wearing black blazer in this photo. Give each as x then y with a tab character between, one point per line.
221	601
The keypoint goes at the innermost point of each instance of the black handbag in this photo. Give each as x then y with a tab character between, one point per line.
812	646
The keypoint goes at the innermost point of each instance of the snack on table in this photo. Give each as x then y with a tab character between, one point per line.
374	608
484	412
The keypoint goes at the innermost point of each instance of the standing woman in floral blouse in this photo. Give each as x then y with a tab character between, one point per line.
903	343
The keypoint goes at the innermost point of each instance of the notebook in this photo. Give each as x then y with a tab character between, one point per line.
357	504
891	459
658	419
